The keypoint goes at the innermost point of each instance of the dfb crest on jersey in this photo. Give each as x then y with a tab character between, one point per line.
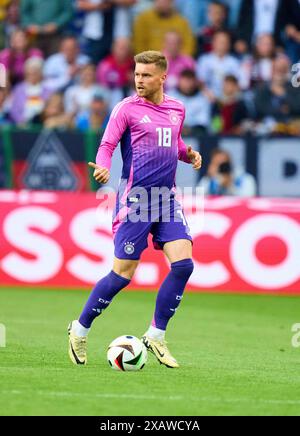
174	118
49	165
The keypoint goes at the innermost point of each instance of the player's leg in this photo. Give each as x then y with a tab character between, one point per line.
169	296
179	254
130	240
100	298
106	289
173	234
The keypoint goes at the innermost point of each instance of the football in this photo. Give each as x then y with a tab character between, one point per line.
127	353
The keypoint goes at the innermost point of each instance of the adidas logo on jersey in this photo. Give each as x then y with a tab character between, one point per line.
145	119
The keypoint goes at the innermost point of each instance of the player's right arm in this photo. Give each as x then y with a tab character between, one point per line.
114	131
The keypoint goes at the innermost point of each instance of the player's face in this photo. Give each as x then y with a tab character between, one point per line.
149	79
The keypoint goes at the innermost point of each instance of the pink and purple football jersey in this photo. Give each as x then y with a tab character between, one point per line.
151	144
150	138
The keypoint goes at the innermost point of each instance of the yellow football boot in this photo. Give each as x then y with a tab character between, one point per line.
161	351
77	347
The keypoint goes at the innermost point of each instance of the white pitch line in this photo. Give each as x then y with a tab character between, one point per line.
154	397
96	395
31	321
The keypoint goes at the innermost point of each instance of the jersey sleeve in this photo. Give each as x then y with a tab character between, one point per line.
117	124
182	149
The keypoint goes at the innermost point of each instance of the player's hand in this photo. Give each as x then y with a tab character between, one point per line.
101	174
195	158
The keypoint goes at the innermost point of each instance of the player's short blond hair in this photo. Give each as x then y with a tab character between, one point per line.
152	57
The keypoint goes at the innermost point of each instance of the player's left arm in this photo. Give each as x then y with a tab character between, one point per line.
187	154
194	157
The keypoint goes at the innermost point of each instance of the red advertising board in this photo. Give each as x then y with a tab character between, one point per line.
64	240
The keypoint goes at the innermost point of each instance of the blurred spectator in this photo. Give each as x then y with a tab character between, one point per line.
217	15
292	29
3	12
177	62
4	110
278	101
14	57
223	179
103	20
53	115
45	24
268	103
95	117
195	12
231	108
151	26
29	97
233	12
257	17
79	97
214	66
61	69
197	106
140	6
46	21
97	27
75	26
12	21
123	18
3	8
115	71
258	67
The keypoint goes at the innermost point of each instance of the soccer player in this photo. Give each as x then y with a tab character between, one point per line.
148	125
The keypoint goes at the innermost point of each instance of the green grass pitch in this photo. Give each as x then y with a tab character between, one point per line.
235	354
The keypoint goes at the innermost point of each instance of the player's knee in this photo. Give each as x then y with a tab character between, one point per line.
127	271
125	267
126	274
183	268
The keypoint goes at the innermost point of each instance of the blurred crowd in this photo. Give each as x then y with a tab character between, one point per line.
233	63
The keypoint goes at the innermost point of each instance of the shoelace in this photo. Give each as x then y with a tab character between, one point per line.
81	343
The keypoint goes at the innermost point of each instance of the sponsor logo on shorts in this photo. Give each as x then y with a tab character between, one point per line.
129	247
